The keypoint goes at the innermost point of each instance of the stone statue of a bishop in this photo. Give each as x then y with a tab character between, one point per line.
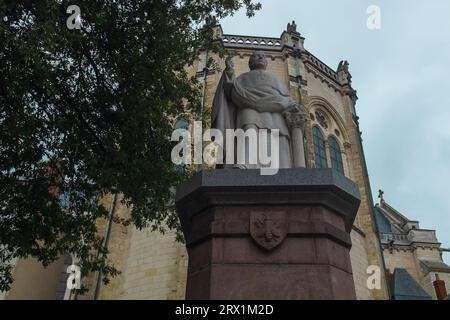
258	100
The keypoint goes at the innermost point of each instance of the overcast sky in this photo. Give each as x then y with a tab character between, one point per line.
401	75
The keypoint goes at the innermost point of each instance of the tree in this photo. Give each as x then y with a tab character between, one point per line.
87	112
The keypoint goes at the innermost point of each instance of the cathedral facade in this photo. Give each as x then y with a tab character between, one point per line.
154	265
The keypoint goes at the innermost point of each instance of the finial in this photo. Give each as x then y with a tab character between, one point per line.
380	195
343	66
211	21
344	73
292	27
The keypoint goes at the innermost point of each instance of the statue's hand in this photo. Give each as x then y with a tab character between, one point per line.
229	65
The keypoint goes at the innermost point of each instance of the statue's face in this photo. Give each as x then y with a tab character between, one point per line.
258	61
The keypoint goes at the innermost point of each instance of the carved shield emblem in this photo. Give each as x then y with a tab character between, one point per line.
268	229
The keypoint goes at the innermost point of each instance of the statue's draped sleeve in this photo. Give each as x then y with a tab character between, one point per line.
223	114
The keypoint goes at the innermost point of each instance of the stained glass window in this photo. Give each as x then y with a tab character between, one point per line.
335	155
320	155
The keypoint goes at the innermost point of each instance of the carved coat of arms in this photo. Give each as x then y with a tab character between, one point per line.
268	229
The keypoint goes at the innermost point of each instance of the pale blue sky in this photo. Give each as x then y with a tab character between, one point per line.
401	75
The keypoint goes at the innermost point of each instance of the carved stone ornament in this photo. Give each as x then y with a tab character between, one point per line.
291	27
268	229
322	119
296	117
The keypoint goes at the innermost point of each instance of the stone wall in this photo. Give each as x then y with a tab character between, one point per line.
402	259
358	258
155	267
152	265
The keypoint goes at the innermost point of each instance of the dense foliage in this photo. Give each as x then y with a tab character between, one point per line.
88	112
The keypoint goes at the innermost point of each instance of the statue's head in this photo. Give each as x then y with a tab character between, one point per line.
258	61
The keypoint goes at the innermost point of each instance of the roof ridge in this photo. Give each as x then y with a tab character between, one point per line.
394	211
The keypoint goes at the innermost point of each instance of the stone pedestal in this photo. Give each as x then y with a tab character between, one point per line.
285	236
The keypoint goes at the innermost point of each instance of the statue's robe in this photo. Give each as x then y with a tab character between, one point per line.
255	99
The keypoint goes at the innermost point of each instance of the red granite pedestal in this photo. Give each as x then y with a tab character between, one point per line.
268	237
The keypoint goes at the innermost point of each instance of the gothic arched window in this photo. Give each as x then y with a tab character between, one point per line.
181	124
335	155
320	154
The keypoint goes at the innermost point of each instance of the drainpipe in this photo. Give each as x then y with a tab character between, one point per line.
105	243
205	76
442	251
202	102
